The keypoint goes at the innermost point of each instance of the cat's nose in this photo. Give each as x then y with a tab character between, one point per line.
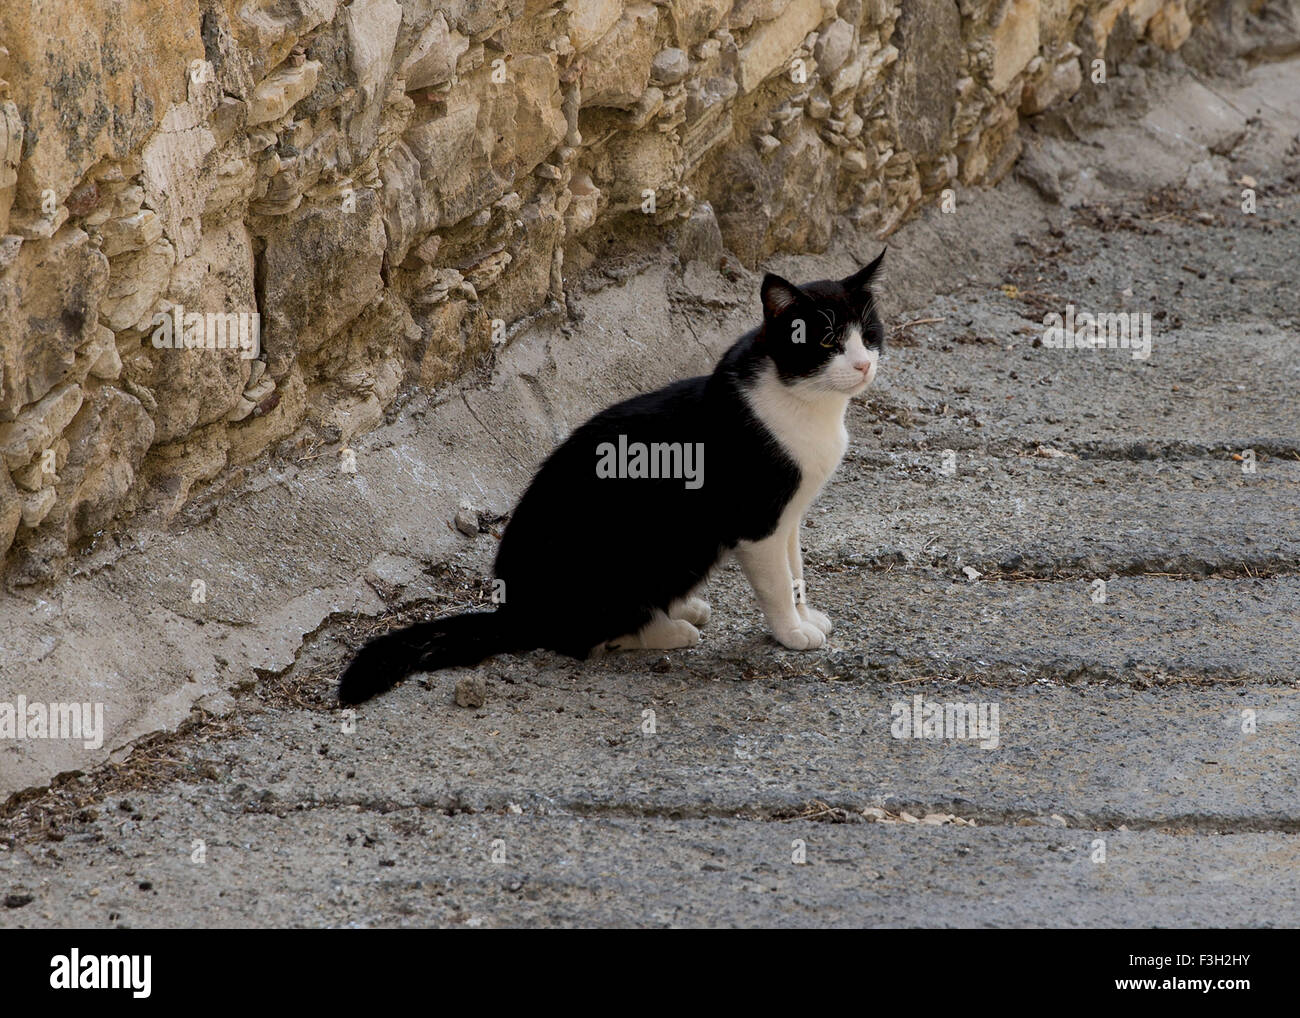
863	365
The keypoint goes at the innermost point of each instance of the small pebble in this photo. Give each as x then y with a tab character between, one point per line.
471	691
467	522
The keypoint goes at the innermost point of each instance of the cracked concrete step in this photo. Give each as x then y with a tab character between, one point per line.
1223	299
342	867
1052	517
1229	389
901	626
563	740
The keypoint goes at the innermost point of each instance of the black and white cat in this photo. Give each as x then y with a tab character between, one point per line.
601	557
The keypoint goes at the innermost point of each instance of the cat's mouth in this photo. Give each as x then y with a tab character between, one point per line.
841	387
863	383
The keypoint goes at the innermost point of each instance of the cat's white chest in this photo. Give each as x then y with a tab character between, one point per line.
811	432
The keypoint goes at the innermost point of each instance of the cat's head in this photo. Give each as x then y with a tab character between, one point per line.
824	337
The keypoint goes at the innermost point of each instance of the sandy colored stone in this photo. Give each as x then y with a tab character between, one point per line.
37	427
589	20
276	96
11	510
130	233
834	44
49	298
618	68
433	59
37	506
11	147
1170	26
772	44
1014	43
91	80
1055	84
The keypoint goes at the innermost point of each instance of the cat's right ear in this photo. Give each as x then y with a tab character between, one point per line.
860	280
779	296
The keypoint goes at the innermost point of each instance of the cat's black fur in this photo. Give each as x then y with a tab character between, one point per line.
586	559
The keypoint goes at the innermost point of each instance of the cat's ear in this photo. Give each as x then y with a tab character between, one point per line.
779	296
861	279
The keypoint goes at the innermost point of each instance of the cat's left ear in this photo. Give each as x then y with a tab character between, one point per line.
861	279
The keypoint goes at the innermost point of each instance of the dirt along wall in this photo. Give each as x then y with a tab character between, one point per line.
349	199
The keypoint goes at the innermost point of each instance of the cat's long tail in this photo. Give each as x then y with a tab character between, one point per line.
427	646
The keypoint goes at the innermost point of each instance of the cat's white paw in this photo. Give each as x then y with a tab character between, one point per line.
694	610
819	620
803	636
671	634
661	633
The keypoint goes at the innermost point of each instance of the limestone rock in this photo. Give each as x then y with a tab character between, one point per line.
136	282
37	427
669	66
1054	84
11	147
745	13
11	510
120	69
171	471
584	204
1014	43
276	96
538	122
695	19
49	300
130	233
371	27
834	44
773	43
446	326
173	179
618	67
321	251
99	358
467	520
1170	26
268	424
37	506
270	30
405	217
589	20
924	94
452	162
107	440
699	238
782	203
433	59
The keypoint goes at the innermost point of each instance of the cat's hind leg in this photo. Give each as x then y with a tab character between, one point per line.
660	633
691	608
805	610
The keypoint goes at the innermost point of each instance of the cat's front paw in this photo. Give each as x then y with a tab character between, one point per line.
801	636
819	620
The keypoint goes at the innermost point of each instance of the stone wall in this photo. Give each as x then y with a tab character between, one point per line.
376	191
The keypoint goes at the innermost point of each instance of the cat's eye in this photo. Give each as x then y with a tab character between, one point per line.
828	340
